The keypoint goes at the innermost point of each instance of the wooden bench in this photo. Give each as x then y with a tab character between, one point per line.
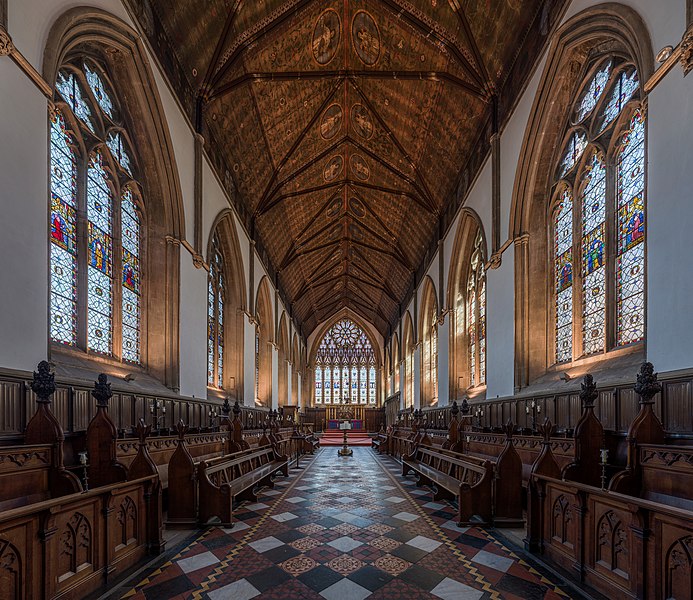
449	476
222	480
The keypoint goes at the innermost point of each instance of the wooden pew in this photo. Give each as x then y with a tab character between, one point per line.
468	479
34	471
225	479
379	441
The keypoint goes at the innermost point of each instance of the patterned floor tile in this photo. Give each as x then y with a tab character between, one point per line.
347	530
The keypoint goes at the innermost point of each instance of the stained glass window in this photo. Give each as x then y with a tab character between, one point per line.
105	316
593	92
563	268
575	148
71	91
476	315
215	316
630	262
98	89
344	354
100	257
63	234
318	385
626	85
593	257
608	217
117	147
130	232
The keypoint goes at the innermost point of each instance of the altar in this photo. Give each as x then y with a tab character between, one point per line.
355	424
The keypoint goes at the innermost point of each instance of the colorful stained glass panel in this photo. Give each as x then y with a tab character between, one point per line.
626	85
593	92
71	91
99	90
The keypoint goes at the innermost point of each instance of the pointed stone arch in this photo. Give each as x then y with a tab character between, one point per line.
408	349
235	298
283	359
608	27
428	331
264	342
469	229
86	31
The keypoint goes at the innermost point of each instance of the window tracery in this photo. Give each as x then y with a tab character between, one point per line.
215	317
476	315
96	223
345	366
599	219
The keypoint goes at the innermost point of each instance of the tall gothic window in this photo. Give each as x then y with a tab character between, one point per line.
598	217
345	367
96	221
215	317
476	315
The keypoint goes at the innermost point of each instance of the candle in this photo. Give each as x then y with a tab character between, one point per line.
82	458
467	439
163	410
604	453
539	409
527	409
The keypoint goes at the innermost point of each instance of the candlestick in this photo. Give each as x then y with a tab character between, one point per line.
604	456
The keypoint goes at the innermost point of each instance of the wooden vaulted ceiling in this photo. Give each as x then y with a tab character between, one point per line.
343	128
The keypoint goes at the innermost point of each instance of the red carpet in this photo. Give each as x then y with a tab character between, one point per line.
336	438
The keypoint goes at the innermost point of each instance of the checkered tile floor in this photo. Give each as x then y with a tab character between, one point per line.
345	529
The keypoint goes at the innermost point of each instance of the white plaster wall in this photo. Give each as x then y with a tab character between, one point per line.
500	327
665	19
24	205
193	329
30	21
670	215
512	137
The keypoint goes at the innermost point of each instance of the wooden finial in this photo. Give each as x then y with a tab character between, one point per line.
647	385
43	383
102	391
143	431
181	429
588	392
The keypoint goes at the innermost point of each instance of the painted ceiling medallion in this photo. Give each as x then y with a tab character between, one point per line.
326	36
360	168
366	38
363	124
333	168
331	122
357	207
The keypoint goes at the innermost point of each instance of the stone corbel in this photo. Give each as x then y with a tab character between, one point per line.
441	317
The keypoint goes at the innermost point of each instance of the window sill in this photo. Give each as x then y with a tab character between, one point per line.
75	364
615	367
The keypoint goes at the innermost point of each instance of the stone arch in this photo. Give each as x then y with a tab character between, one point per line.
85	31
608	27
428	331
264	341
408	348
295	369
469	227
283	358
234	301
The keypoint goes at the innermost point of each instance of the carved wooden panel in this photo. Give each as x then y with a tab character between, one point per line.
563	519
605	407
11	398
83	410
562	410
575	410
61	408
76	544
612	544
678	410
627	408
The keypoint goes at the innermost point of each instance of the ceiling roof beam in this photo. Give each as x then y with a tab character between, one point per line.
464	22
393	137
230	18
385	190
435	76
404	9
249	37
298	142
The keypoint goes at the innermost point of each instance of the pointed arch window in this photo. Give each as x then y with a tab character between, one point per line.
598	220
345	368
215	317
96	231
476	315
